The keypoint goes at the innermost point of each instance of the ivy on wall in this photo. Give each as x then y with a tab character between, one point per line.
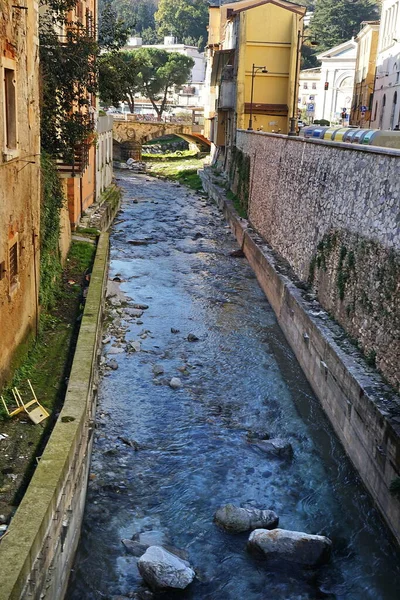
52	201
240	177
68	78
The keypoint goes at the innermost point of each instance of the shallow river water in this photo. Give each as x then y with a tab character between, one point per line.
164	460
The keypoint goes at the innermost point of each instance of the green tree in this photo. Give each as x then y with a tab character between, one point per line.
136	14
185	19
336	21
119	78
160	71
113	31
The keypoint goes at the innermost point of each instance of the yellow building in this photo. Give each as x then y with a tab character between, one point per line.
244	38
365	74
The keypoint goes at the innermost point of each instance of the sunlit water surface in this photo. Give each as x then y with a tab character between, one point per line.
194	454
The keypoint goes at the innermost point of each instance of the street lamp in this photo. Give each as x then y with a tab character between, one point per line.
293	119
254	71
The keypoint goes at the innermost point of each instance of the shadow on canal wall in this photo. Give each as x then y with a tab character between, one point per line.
364	412
37	553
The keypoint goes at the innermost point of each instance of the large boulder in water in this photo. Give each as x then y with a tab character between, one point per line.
294	546
275	448
161	569
236	519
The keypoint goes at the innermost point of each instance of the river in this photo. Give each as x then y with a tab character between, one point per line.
164	460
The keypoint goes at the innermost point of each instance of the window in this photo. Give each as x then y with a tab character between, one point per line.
10	109
305	85
314	85
2	270
9	117
13	258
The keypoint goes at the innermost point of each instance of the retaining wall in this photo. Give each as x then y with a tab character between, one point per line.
37	553
332	210
362	409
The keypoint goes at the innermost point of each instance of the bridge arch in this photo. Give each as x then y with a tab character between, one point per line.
129	136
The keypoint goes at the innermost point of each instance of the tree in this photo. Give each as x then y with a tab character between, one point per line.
68	80
113	31
160	71
119	78
136	14
185	19
336	21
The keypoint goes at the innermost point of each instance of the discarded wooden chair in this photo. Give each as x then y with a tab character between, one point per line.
35	411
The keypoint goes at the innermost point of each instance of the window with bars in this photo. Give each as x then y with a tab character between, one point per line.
13	259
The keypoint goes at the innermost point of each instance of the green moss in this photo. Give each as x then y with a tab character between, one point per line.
237	204
394	488
239	175
51	203
370	359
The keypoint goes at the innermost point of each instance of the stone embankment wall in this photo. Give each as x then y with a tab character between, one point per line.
36	554
332	211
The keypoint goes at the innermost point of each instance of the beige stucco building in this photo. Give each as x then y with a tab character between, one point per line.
386	104
19	176
363	93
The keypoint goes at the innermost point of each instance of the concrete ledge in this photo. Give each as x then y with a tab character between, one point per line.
37	553
318	142
364	414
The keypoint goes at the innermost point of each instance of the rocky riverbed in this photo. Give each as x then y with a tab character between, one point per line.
202	406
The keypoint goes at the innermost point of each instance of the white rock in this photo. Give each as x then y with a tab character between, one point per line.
175	383
161	569
236	519
294	546
116	350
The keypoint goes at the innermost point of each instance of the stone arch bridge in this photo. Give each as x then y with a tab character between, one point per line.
129	136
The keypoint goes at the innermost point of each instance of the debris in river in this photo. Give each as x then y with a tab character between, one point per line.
276	448
138	242
175	383
132	443
112	365
162	569
294	546
158	369
173	330
237	254
236	519
135	548
192	337
140	306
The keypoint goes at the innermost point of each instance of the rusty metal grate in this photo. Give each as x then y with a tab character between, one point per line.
13	263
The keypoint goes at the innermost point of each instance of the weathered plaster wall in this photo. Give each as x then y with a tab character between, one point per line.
19	180
333	212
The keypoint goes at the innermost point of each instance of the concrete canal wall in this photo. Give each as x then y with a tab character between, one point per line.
363	412
332	210
37	553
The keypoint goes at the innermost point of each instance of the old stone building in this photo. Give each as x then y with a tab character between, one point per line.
19	176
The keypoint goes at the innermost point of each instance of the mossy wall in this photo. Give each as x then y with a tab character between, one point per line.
332	212
358	281
239	175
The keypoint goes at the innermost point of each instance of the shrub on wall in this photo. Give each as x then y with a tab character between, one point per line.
51	203
240	177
